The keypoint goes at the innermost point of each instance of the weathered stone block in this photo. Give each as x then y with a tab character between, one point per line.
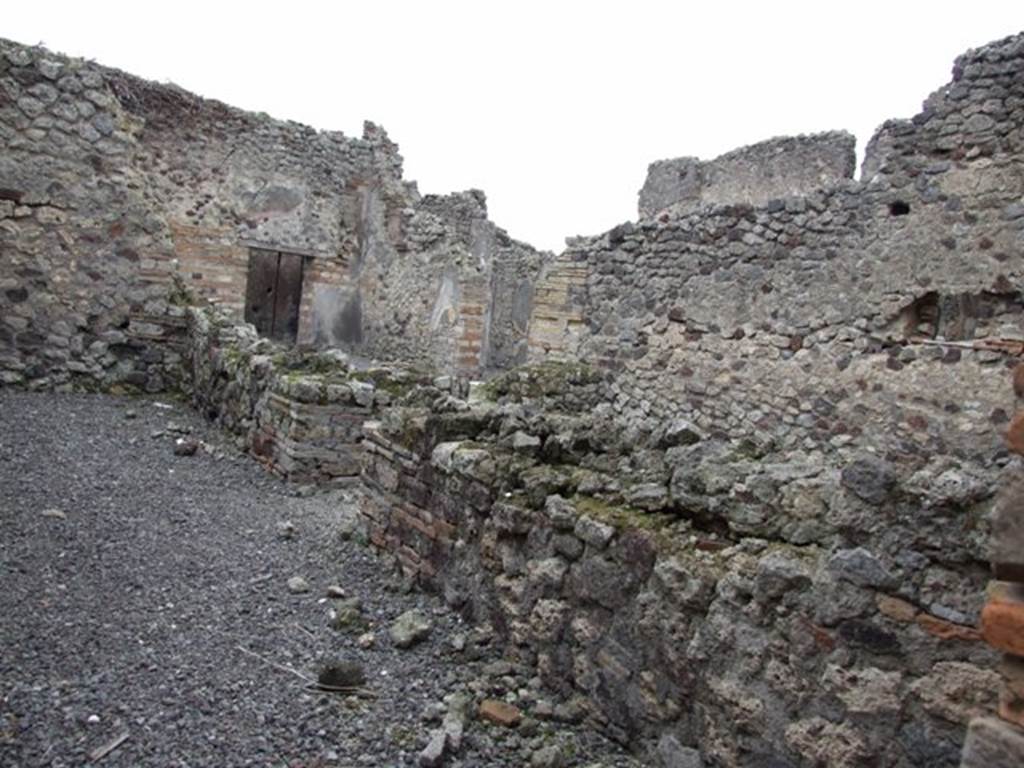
992	743
1011	698
1007	541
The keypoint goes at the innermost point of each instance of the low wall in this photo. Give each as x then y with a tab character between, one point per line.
301	415
770	610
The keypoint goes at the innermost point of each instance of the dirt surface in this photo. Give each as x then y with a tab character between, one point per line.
131	577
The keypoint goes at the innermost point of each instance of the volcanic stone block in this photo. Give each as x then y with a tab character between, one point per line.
1007	542
992	743
1011	698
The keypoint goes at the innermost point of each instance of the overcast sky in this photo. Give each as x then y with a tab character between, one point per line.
553	108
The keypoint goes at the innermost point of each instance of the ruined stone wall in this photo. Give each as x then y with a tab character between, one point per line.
111	186
781	167
763	607
84	265
754	520
794	318
441	286
300	414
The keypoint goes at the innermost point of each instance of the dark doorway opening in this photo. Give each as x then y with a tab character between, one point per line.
273	294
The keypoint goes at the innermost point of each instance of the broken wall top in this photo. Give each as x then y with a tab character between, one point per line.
777	168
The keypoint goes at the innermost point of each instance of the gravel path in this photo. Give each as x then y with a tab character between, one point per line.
129	577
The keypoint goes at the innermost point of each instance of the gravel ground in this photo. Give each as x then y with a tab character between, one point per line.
132	576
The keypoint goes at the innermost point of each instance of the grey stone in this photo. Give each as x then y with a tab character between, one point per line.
348	616
362	392
103	124
992	743
779	573
648	496
680	432
525	443
454	721
410	628
30	106
869	479
978	122
560	512
297	585
594	533
432	755
672	754
49	68
550	756
45	92
860	567
567	545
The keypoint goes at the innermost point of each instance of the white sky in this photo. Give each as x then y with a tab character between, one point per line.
553	108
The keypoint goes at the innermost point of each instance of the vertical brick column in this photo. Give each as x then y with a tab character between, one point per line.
557	317
473	316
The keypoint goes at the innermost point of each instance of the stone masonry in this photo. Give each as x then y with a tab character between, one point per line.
114	187
999	742
734	479
771	170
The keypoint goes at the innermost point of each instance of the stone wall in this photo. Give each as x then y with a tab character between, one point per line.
799	317
112	186
299	414
449	291
84	267
999	742
773	169
766	607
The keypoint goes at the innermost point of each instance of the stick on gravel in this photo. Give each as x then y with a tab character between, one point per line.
100	752
274	664
316	684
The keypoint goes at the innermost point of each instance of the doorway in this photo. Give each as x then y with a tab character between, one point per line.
273	293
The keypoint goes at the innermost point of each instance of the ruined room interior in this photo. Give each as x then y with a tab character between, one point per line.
736	483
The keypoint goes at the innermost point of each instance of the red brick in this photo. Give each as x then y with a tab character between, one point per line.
500	713
1015	433
1002	623
947	630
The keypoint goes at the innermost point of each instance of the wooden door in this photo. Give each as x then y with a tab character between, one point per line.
273	294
